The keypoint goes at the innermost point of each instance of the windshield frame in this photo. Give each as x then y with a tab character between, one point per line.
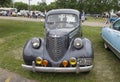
63	14
74	21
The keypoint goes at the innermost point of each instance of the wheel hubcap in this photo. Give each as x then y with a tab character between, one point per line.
105	46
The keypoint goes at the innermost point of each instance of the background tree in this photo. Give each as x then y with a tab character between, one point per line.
34	7
89	6
21	6
61	3
51	6
42	6
5	3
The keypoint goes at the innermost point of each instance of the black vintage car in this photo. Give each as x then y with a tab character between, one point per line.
63	49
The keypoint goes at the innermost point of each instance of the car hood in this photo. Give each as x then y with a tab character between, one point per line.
60	32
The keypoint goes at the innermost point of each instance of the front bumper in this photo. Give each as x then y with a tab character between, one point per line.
76	69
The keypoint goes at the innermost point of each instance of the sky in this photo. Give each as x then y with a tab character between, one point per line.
33	2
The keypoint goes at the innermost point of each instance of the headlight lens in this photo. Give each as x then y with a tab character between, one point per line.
36	42
78	43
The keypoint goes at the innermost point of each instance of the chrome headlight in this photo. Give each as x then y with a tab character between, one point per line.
36	42
78	43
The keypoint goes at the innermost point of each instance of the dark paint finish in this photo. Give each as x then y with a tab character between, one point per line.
58	43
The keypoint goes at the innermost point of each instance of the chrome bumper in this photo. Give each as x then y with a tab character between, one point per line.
76	69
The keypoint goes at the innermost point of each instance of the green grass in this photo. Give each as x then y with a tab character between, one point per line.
14	34
93	19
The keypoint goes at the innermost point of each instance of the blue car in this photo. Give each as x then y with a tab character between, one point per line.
111	37
113	18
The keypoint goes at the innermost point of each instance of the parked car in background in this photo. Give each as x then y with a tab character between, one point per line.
23	13
7	11
37	14
3	13
63	49
41	14
113	17
0	13
14	14
19	14
111	37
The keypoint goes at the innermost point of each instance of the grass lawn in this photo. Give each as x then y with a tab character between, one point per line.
14	34
93	19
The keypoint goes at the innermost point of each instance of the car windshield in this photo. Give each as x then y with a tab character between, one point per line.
116	25
62	21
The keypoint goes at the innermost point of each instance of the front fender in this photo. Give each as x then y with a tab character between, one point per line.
85	52
30	54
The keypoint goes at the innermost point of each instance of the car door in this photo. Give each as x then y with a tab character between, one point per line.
116	35
106	34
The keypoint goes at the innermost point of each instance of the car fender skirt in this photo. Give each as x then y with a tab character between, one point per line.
76	69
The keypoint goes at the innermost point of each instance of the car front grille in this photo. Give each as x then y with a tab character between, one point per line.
57	47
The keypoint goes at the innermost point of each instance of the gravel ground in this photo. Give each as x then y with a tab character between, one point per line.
42	20
22	18
95	24
7	76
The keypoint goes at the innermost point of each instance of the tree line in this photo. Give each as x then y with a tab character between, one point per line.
89	6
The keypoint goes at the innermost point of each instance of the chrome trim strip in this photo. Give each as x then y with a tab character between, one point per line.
58	69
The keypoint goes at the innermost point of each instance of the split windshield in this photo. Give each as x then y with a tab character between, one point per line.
62	21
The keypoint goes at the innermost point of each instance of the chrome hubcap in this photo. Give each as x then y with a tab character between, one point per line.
105	46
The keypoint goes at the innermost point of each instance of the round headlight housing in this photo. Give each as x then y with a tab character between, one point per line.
36	42
78	43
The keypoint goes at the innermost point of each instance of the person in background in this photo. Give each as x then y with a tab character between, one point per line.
33	14
107	20
83	16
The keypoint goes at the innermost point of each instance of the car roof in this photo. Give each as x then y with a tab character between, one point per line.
58	11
